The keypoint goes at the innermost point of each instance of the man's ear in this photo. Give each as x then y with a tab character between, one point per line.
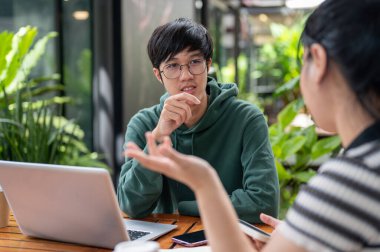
320	61
208	62
157	74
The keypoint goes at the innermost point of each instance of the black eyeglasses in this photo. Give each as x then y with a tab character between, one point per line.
195	67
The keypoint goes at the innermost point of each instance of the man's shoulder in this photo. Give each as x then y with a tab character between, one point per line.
149	111
150	114
242	107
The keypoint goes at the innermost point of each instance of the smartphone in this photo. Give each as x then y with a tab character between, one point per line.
253	231
191	239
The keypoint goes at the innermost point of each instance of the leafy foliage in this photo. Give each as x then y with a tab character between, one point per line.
298	151
295	149
32	128
278	61
226	74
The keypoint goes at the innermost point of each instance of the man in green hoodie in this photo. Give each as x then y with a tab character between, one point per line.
202	118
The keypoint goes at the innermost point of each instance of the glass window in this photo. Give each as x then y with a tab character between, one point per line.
77	66
69	54
139	19
15	14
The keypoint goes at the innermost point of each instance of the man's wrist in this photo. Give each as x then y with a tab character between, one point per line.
157	136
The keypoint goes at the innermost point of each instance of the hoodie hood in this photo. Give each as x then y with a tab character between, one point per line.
220	96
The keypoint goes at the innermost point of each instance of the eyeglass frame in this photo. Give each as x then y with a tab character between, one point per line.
188	68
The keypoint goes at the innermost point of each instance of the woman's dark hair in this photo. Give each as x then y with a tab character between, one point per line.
183	33
349	30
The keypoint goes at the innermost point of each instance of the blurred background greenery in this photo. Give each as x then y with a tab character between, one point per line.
297	145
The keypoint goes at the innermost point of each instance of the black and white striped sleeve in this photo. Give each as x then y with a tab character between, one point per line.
339	209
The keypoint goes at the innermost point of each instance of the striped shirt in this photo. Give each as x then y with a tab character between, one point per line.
339	209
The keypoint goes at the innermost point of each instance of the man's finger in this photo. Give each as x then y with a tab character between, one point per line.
188	98
179	107
176	117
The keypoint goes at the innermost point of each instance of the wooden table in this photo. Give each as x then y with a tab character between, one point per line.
11	239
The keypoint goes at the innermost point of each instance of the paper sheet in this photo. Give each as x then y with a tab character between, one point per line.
195	249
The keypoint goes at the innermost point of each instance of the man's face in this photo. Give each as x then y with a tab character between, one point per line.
193	82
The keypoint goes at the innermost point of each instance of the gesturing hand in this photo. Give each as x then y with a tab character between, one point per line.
176	111
188	170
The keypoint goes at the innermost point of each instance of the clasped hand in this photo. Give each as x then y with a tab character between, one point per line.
175	112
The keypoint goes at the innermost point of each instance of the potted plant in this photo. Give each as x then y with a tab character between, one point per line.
32	127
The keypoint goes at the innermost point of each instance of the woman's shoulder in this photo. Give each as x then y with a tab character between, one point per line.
365	157
345	191
368	154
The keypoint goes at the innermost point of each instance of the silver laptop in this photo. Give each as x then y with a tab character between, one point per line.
70	204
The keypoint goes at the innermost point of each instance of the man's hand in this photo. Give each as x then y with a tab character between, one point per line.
176	111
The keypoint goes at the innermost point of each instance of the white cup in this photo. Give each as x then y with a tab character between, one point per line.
4	210
137	246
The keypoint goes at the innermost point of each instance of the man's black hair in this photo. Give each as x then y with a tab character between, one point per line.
183	33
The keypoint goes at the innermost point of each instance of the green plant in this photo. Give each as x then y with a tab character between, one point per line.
226	74
277	61
32	127
295	149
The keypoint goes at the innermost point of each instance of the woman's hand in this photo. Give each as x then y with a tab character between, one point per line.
189	170
269	220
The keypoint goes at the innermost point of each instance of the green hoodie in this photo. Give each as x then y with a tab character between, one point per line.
232	136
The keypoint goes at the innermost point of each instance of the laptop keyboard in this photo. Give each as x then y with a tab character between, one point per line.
134	234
